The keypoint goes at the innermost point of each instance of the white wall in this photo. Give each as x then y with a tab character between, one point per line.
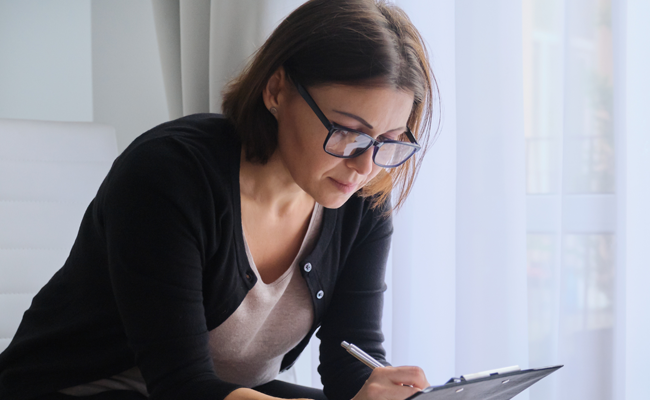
45	60
78	60
128	90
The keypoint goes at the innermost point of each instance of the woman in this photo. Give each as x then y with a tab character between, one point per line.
216	246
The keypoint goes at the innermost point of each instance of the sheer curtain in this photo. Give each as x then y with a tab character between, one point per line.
459	289
632	127
571	196
585	135
524	239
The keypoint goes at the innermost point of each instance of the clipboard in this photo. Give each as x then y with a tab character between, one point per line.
494	387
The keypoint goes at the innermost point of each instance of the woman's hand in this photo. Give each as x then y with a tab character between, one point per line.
393	383
250	394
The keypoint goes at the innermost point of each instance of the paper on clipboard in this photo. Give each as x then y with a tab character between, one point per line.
495	387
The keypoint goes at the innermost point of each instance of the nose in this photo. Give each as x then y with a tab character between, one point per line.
362	164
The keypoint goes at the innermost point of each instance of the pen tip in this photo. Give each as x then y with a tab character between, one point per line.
345	344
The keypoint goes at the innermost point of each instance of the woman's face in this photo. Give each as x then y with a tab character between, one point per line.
376	111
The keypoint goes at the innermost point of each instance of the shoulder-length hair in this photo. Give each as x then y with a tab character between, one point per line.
353	42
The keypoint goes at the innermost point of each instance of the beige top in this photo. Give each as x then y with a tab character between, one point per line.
247	348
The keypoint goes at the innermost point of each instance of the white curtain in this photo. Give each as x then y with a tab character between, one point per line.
523	240
632	127
203	43
459	288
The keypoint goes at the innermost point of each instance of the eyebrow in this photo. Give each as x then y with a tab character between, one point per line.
363	121
358	118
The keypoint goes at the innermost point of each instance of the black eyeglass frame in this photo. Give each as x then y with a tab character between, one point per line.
332	127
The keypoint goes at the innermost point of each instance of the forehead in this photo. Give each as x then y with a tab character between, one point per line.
381	106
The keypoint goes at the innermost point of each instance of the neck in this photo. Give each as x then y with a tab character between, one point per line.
271	186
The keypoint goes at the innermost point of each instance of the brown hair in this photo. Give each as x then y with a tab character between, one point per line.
354	42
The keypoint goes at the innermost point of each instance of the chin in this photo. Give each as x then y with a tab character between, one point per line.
332	201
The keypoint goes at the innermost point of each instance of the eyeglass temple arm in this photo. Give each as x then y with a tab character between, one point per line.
410	136
305	95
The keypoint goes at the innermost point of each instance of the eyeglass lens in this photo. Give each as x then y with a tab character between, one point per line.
350	144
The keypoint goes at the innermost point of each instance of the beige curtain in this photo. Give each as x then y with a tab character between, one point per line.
202	45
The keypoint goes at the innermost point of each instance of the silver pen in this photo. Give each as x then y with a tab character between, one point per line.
361	355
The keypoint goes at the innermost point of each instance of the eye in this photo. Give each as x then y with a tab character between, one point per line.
389	136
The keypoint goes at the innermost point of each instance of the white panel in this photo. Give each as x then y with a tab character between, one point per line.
49	173
49	181
39	224
27	270
46	68
12	307
56	141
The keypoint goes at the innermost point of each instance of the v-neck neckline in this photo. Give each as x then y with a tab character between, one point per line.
316	212
245	269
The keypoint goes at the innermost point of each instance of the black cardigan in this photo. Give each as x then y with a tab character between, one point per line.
159	261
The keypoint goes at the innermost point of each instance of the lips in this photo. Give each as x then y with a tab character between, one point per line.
345	187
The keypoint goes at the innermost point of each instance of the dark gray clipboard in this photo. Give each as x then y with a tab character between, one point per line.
496	387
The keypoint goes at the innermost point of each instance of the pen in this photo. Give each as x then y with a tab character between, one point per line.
361	355
485	374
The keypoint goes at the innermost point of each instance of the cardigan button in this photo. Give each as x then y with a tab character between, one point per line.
307	267
320	294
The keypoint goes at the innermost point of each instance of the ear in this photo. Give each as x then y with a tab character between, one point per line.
275	89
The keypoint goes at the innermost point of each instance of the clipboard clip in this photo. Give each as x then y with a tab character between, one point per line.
484	374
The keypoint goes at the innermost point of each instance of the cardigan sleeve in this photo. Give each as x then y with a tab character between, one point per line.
355	312
154	207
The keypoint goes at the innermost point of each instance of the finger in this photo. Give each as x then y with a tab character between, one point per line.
409	376
399	392
387	390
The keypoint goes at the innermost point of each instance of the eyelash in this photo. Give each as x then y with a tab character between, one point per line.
380	138
392	136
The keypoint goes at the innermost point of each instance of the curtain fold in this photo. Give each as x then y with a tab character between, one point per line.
204	43
168	31
195	55
491	210
236	31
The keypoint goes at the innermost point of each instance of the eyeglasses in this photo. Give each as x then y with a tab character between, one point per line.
344	142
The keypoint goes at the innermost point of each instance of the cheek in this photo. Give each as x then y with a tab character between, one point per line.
375	171
301	138
303	155
319	165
